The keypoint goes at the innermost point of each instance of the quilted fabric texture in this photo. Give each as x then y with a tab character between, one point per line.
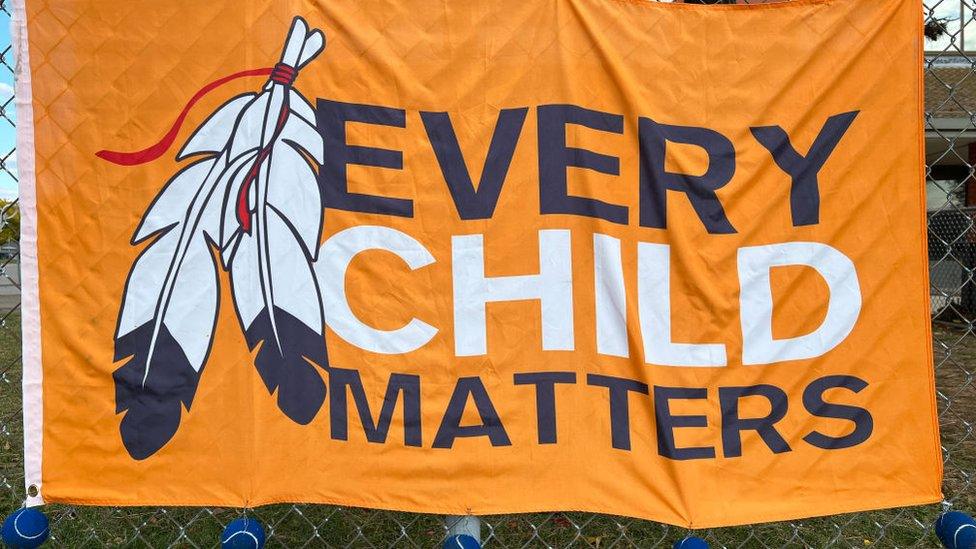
403	294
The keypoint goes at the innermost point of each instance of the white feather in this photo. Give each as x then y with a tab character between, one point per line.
294	191
300	106
252	198
193	303
245	280
231	181
171	204
314	43
247	137
228	250
212	136
158	281
282	197
294	43
292	279
209	223
145	283
303	134
275	100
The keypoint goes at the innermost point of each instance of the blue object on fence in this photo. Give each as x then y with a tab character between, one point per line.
243	533
461	541
956	530
691	542
25	529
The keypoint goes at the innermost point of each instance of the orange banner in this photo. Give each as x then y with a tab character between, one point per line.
650	259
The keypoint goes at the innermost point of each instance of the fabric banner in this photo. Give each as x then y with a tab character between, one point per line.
651	259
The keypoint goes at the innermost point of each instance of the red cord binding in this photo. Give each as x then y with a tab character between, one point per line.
278	73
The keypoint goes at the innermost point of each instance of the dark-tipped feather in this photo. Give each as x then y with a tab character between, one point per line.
300	388
153	408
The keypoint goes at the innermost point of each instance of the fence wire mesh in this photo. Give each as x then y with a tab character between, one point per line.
950	74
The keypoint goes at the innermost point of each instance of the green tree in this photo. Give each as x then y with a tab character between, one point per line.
9	222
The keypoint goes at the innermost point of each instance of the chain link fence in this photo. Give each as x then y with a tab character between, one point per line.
951	190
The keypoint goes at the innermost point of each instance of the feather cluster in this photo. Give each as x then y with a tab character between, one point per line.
248	203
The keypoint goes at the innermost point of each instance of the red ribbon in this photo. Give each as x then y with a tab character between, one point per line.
243	207
159	148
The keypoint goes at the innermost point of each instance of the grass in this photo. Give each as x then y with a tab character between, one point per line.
319	525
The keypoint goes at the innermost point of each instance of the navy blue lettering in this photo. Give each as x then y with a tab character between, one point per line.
667	423
474	203
655	181
733	425
814	402
331	118
620	389
804	190
491	425
545	399
376	431
555	157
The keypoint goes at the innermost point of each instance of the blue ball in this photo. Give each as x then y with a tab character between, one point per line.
461	541
691	542
243	533
956	530
25	529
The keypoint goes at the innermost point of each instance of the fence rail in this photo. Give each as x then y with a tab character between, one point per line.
950	71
